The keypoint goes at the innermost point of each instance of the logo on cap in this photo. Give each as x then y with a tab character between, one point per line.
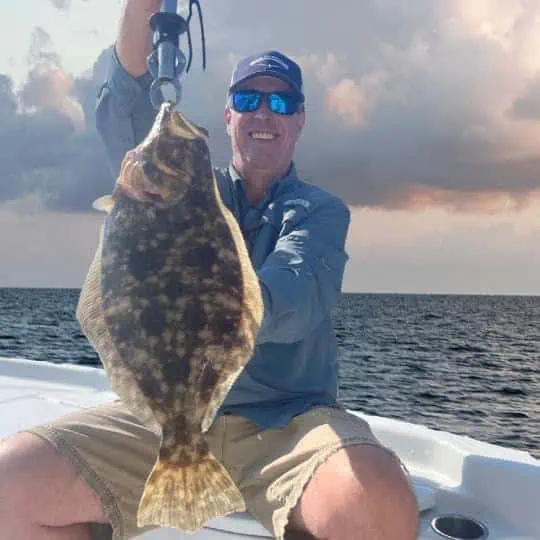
269	60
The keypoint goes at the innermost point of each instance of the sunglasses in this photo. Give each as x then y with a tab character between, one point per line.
244	101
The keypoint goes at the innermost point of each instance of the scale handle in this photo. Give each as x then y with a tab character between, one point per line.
166	63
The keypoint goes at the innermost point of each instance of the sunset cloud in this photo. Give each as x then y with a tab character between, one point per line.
424	116
431	103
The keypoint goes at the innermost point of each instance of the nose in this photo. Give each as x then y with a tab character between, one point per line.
263	111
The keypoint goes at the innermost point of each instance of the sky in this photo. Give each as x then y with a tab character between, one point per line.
423	116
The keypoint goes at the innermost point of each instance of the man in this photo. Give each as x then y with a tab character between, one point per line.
306	468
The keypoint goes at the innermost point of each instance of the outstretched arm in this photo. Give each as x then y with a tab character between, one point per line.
301	279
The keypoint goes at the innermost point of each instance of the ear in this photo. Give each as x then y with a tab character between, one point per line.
227	116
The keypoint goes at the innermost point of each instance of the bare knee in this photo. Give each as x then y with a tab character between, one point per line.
358	493
380	483
40	485
19	456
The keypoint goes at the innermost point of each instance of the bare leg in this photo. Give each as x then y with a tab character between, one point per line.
72	532
41	495
359	493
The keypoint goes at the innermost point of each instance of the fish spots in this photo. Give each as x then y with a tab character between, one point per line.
173	288
198	218
149	384
224	327
178	315
148	254
224	324
177	434
123	330
230	275
198	198
153	319
168	151
203	166
182	430
151	289
201	447
177	370
195	316
181	423
142	263
183	457
202	256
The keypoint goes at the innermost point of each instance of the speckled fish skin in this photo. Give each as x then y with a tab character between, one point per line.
173	306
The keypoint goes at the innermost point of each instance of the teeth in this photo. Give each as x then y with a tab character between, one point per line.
263	135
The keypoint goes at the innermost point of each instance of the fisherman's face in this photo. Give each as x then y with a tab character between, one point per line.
262	141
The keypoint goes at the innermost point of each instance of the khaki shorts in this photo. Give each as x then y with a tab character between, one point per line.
114	453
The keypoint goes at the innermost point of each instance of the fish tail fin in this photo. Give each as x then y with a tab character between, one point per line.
187	496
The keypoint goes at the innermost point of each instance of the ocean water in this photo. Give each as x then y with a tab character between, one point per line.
465	364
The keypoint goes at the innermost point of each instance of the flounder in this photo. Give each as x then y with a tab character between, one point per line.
172	305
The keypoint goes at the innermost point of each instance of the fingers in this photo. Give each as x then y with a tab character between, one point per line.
133	182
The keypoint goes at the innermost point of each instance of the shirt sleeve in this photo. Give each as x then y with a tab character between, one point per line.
124	113
301	279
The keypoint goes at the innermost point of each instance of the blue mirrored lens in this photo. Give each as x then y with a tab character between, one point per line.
282	103
246	101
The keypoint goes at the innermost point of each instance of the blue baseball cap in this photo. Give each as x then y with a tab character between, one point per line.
271	64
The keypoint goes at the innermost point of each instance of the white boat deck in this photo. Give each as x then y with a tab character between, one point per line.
451	474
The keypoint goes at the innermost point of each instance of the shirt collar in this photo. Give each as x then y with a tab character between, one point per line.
272	191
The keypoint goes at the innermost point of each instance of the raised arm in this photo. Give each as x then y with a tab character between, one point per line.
134	39
124	114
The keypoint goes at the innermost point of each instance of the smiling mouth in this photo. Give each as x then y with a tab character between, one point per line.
263	135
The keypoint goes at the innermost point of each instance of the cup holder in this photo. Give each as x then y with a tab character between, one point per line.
458	527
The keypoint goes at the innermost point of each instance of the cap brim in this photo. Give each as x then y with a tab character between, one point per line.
267	74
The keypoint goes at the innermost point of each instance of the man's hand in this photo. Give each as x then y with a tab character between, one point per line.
134	39
133	182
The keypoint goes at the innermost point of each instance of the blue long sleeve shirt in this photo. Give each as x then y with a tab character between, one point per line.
295	237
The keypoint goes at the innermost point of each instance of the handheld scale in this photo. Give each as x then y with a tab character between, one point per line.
167	62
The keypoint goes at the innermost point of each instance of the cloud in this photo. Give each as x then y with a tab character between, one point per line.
527	105
348	101
409	105
8	101
64	5
47	85
41	50
47	144
405	99
430	251
51	88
